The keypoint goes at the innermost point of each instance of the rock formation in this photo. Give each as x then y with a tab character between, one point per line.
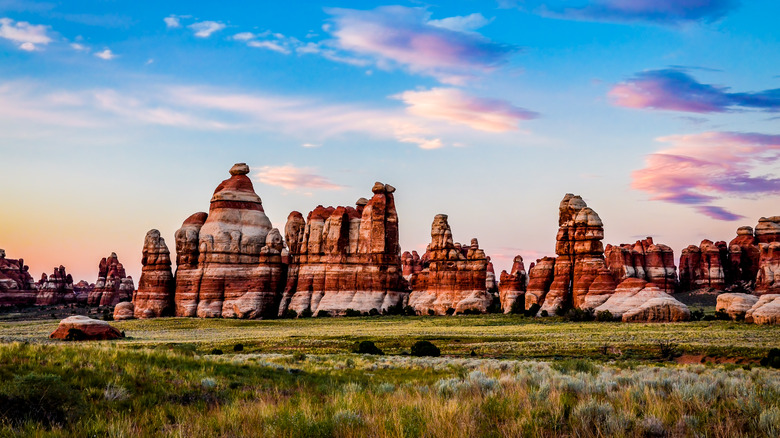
17	286
346	258
636	300
124	311
765	311
645	260
540	277
768	278
82	328
452	280
155	295
229	261
735	304
511	287
703	266
744	256
113	285
81	291
56	288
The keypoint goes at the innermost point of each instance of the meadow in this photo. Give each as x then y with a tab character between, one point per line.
499	376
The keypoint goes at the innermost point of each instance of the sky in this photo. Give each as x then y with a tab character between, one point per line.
119	117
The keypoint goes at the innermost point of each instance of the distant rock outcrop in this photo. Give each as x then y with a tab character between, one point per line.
511	287
703	266
644	260
452	282
229	261
155	295
345	258
113	284
56	288
17	286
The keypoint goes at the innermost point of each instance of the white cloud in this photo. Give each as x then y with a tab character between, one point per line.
106	54
270	45
243	36
204	29
294	178
79	47
468	23
25	34
311	145
172	21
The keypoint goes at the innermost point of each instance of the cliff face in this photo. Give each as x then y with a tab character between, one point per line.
345	258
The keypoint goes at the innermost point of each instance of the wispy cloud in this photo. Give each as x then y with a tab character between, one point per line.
27	36
657	11
106	54
172	21
204	29
294	178
455	106
673	89
401	36
467	23
699	169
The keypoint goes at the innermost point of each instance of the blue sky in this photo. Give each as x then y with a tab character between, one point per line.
117	117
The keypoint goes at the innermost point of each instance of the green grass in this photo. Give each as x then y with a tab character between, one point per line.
529	377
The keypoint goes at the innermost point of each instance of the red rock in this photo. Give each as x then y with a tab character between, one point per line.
768	229
56	288
703	266
17	286
113	284
511	287
81	291
744	257
82	328
644	260
540	277
768	278
156	287
345	258
228	262
451	280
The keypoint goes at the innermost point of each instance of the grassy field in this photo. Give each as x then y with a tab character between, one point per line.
500	376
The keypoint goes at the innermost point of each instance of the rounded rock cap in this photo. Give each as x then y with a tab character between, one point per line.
239	169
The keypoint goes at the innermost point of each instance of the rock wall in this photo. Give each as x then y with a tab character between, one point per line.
156	287
17	286
452	282
345	258
511	287
229	261
703	266
645	260
113	284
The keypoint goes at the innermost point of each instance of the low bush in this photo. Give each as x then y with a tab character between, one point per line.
366	347
409	311
323	314
579	315
238	347
216	351
352	313
306	313
772	359
697	315
425	348
373	312
533	310
41	398
605	316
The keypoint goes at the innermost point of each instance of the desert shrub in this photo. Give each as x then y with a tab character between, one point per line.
431	312
652	427
41	398
769	421
238	347
708	318
561	310
299	356
605	316
518	307
323	314
115	393
366	347
216	351
289	314
471	312
398	309
425	348
450	311
352	313
697	315
574	366
772	358
595	418
373	312
578	315
666	349
107	315
533	310
306	313
409	311
544	314
720	315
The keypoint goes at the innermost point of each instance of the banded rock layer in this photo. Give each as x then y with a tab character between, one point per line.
17	286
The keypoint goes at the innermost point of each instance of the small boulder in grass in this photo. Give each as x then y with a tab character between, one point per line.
82	328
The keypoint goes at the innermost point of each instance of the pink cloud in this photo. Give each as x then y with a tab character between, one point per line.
455	106
658	11
407	37
700	168
294	178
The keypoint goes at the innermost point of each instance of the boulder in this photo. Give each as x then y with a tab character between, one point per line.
82	328
123	311
155	295
454	280
346	258
735	304
765	311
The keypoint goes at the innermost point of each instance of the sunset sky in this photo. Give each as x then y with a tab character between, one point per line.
118	117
